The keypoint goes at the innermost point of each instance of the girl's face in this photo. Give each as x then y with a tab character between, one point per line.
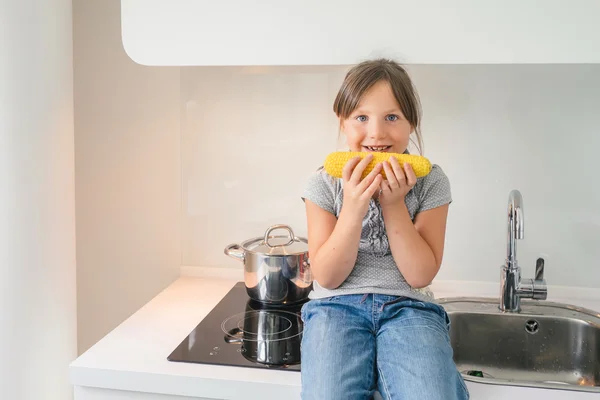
377	124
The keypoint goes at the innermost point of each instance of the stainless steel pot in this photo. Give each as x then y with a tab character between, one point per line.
267	335
276	268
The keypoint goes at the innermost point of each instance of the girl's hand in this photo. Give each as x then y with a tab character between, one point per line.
399	182
357	193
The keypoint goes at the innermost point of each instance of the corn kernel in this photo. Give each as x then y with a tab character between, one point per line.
335	162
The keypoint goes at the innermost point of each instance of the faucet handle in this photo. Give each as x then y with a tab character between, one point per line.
539	269
540	290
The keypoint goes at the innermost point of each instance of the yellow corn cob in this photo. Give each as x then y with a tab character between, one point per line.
335	162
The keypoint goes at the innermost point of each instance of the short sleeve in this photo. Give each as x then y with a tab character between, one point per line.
320	189
435	190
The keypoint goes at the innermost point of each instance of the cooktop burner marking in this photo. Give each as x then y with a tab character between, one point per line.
255	336
269	334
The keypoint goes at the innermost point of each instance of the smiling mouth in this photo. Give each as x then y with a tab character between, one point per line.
377	148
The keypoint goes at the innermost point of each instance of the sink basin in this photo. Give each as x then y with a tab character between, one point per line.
550	345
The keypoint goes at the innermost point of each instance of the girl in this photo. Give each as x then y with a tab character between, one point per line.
371	322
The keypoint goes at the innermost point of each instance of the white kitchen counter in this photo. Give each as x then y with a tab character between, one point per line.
131	361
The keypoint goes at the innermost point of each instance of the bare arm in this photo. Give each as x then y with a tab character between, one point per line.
333	242
332	245
417	248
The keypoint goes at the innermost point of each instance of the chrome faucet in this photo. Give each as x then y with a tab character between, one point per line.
512	288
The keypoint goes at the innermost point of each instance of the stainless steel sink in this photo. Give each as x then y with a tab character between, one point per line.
546	344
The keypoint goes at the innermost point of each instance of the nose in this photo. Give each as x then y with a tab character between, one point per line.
376	129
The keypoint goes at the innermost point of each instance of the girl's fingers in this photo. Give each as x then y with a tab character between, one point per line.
398	171
349	167
374	186
360	168
385	185
411	177
365	183
391	175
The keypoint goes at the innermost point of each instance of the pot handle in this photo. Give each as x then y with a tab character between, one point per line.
234	250
234	336
280	226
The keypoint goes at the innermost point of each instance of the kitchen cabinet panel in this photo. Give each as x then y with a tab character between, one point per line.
340	32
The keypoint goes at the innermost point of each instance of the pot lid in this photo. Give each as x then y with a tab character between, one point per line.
277	245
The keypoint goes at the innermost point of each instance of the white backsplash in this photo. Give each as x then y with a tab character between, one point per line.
252	136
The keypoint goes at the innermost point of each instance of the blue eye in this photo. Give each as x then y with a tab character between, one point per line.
361	118
392	117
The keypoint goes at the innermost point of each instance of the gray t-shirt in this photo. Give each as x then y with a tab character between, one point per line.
375	270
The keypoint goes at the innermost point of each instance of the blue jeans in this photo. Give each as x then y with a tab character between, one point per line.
353	345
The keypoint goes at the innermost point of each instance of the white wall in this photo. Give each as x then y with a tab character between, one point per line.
173	164
251	136
127	163
37	201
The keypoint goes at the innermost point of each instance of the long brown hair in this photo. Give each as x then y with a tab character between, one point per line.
364	75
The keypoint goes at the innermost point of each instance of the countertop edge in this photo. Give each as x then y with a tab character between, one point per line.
140	372
176	385
447	287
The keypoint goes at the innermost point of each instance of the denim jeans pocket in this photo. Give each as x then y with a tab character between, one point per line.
440	311
305	309
437	314
302	311
308	306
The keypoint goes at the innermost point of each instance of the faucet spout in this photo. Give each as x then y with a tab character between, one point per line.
516	227
512	288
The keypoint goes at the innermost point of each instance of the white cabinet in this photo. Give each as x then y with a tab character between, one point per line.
333	32
330	32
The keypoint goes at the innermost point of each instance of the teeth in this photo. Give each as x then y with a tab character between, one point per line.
379	148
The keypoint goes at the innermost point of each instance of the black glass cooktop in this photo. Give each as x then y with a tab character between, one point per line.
244	333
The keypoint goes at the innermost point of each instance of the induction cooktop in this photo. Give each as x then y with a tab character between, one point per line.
242	332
